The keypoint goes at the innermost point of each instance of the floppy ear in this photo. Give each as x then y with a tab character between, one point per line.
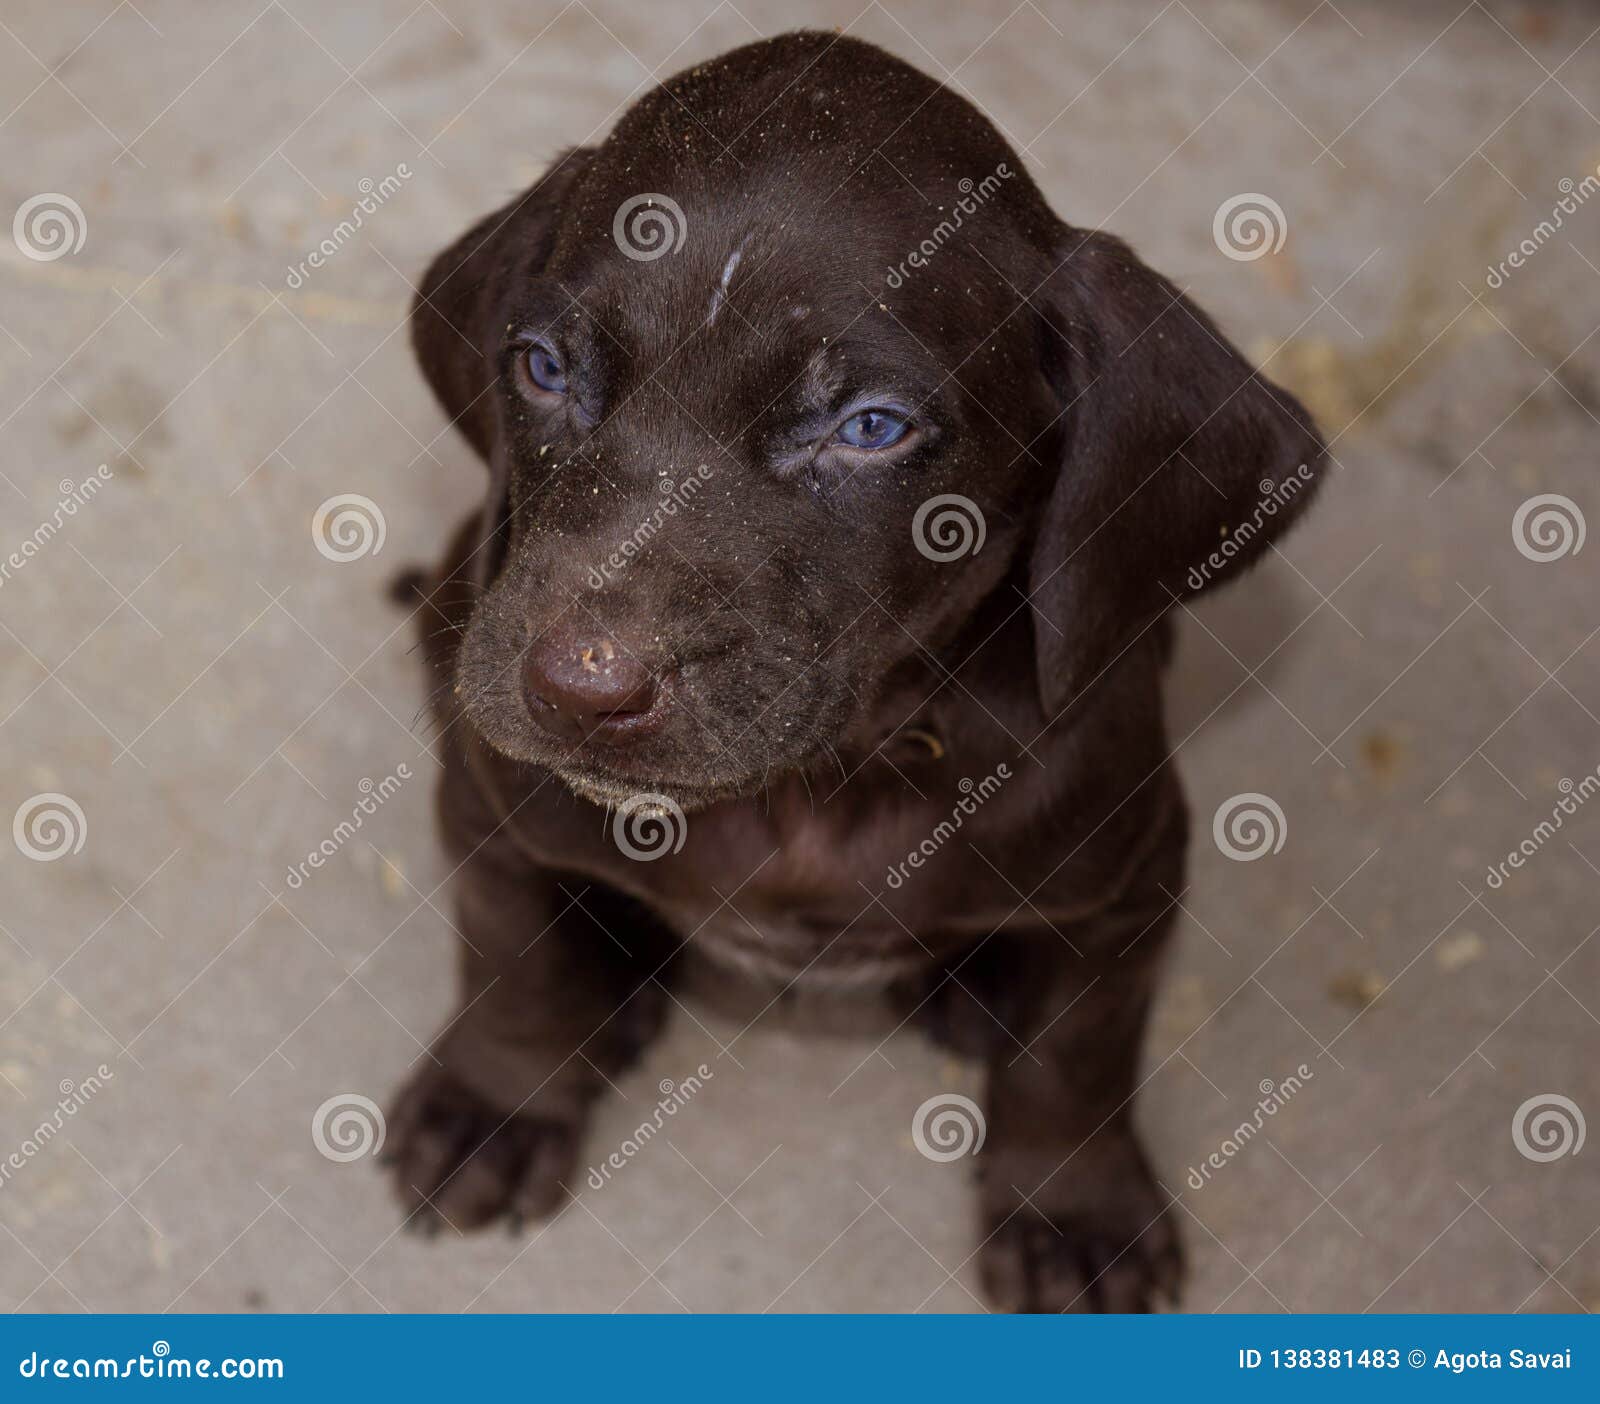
1178	462
456	327
457	324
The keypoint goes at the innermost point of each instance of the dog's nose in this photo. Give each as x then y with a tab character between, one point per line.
579	688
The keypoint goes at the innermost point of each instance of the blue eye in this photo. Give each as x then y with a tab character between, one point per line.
873	429
545	370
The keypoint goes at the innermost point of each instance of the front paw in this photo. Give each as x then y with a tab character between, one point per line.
460	1161
1097	1237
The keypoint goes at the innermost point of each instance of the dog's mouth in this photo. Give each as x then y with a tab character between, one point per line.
638	762
612	722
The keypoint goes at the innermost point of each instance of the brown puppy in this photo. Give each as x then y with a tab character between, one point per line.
838	491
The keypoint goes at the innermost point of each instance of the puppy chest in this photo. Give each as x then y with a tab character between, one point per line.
818	952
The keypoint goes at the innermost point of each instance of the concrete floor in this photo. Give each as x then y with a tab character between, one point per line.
177	659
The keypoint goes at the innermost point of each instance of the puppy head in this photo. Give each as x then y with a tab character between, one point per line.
782	382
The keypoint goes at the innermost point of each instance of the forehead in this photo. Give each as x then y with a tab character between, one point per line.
733	277
772	212
741	304
756	272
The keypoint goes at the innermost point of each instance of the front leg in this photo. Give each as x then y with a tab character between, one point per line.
558	994
1072	1217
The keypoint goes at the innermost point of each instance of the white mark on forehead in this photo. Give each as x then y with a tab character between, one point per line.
719	294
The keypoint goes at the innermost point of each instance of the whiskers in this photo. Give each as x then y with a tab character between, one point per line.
430	716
